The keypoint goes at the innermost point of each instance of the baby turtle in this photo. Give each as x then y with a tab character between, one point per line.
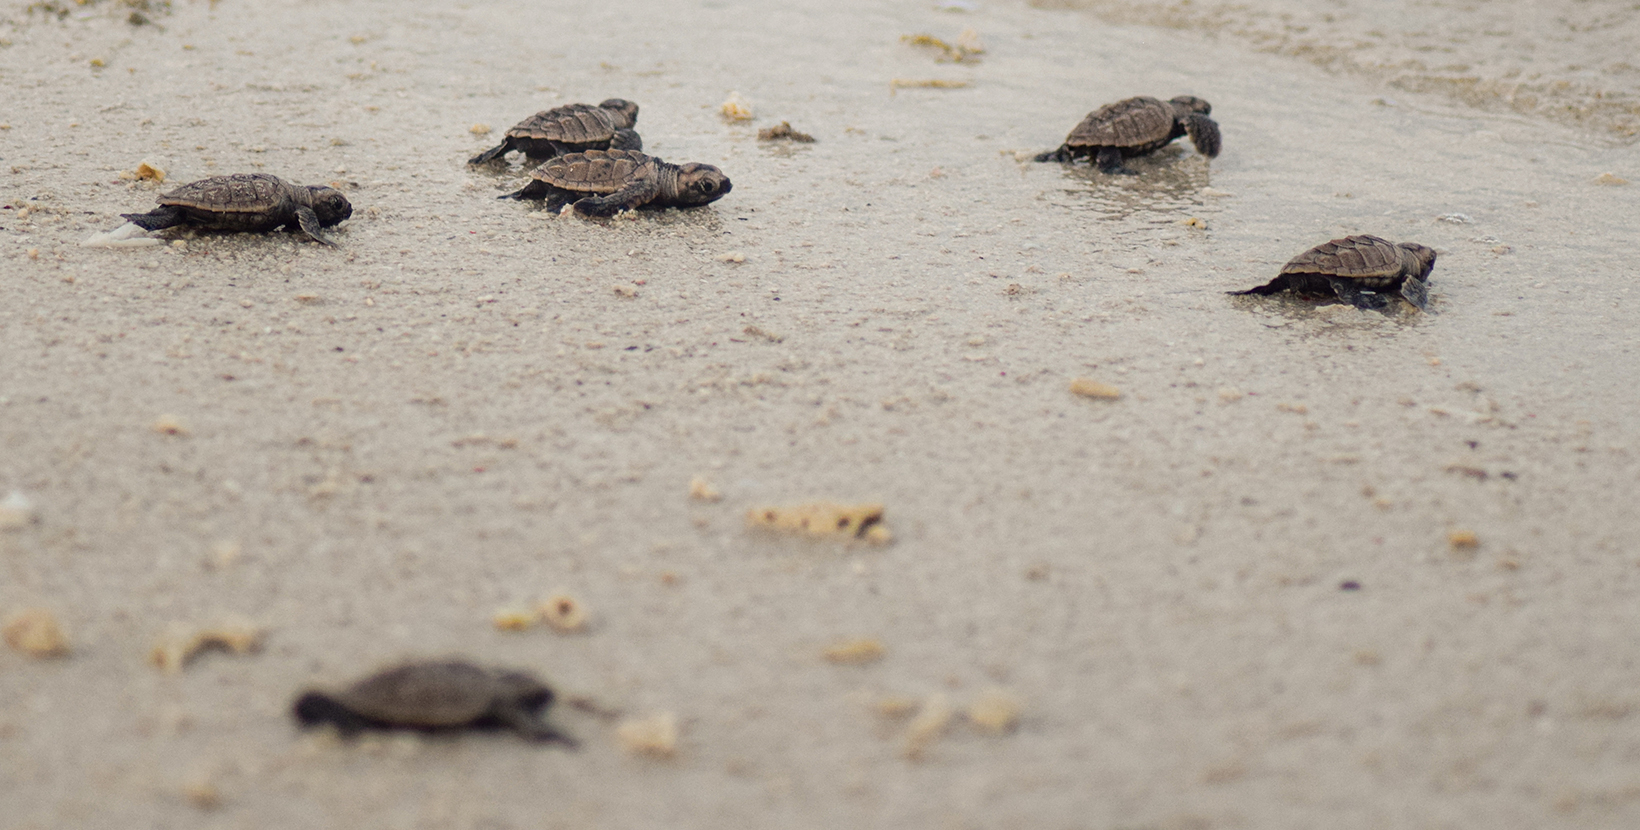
1135	127
247	202
436	696
1358	270
571	128
606	182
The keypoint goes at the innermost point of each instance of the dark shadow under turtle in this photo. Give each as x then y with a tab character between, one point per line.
252	202
1364	271
604	183
1136	126
437	696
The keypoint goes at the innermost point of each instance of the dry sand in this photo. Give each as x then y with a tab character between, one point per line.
370	451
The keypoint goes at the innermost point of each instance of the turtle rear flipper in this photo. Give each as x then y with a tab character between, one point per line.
1351	293
536	189
1062	155
493	153
529	725
634	194
626	139
1204	133
1416	291
1273	286
308	221
158	219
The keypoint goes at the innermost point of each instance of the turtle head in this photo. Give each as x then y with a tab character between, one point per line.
1417	260
624	111
1187	104
330	204
700	184
523	690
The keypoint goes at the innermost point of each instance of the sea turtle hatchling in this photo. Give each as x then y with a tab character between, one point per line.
1360	270
436	696
606	182
1135	127
571	128
247	202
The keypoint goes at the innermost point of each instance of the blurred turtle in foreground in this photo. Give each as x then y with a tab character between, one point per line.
1135	127
1360	270
436	696
571	128
604	183
247	202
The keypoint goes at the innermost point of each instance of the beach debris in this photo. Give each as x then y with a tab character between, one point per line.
864	650
604	183
784	130
1358	270
1090	388
144	172
655	736
180	645
17	511
202	794
1610	179
35	632
1463	540
702	490
571	128
1455	218
824	519
732	257
994	711
735	108
1135	127
513	619
479	128
966	49
248	202
127	235
927	727
436	696
898	84
562	612
896	706
170	425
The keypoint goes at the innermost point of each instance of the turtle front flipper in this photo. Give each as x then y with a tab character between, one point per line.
1109	161
1273	286
627	198
530	726
1416	291
1351	293
493	153
1204	133
158	219
308	221
626	139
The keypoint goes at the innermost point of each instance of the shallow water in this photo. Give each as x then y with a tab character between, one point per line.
455	412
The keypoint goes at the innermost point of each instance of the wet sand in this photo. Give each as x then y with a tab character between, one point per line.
456	412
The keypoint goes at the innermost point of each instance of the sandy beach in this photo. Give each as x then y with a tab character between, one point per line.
1314	567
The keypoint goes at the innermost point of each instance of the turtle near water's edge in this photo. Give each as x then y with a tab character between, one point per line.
1135	127
607	182
247	202
1360	270
436	696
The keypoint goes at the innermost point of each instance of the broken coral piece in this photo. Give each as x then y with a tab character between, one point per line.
35	632
824	519
180	646
655	736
